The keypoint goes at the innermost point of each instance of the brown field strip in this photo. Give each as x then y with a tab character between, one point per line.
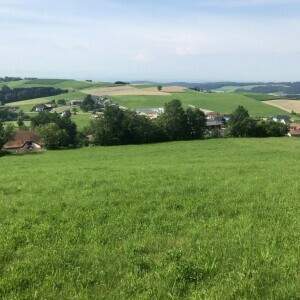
126	90
287	105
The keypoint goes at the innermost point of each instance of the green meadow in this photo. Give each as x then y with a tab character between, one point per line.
219	102
213	219
68	84
27	105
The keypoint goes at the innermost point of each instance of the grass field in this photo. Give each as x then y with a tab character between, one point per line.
69	84
27	105
215	219
220	102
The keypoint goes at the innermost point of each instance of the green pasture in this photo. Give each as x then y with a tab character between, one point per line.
213	219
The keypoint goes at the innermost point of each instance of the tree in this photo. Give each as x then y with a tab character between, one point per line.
3	136
276	129
5	133
63	123
61	102
174	121
240	124
53	136
196	123
88	104
159	88
118	127
109	129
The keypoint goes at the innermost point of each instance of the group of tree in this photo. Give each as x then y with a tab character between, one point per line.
8	94
242	125
56	131
94	103
8	79
119	127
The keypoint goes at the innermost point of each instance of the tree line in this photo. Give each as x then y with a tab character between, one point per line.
18	94
121	127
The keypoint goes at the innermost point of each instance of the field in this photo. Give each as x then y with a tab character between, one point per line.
69	84
215	219
27	105
127	90
286	105
220	102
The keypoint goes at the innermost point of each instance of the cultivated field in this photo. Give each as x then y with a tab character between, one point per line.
130	90
214	219
286	105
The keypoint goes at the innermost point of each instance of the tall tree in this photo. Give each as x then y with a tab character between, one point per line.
240	124
174	120
196	123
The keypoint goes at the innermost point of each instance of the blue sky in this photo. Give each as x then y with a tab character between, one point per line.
203	40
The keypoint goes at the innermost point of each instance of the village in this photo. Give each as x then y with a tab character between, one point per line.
27	139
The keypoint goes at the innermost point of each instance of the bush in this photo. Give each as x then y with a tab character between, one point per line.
242	125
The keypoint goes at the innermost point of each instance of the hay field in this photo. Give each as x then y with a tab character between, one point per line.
286	105
168	89
125	90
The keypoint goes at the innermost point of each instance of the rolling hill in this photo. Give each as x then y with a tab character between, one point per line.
220	102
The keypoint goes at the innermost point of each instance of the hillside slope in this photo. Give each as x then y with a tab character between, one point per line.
215	219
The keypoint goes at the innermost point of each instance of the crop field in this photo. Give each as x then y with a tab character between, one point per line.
286	105
219	102
214	219
128	90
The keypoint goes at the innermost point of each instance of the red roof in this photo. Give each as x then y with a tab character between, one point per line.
21	137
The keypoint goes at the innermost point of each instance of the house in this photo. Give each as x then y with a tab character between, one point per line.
294	130
66	114
43	107
75	102
24	141
151	113
284	119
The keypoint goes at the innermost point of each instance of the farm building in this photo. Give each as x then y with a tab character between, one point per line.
294	130
24	141
151	113
75	102
282	119
43	107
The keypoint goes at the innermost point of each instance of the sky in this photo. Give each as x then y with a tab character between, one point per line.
159	40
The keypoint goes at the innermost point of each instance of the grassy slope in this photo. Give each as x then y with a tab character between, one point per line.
27	105
214	219
221	102
56	83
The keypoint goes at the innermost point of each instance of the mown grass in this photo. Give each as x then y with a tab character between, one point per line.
220	102
215	219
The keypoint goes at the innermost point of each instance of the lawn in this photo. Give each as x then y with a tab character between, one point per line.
214	219
220	102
